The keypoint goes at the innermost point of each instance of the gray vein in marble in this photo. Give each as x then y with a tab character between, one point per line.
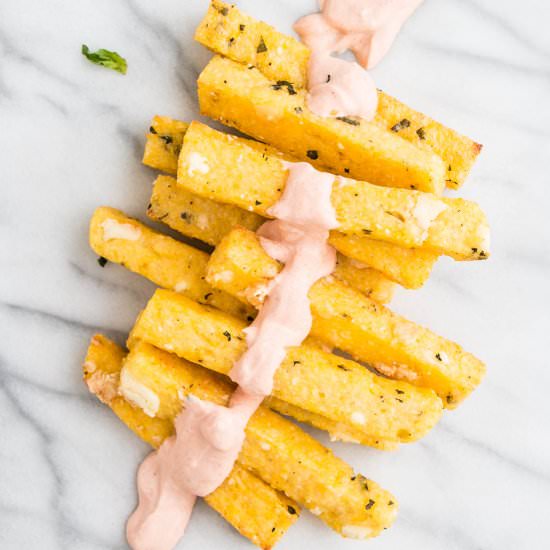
510	121
445	533
7	373
73	324
25	59
56	105
493	17
482	447
186	77
64	528
101	282
476	57
134	139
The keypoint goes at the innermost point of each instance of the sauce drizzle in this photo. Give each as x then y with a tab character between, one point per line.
209	437
367	28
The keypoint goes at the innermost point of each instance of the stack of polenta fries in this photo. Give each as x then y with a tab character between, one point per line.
391	231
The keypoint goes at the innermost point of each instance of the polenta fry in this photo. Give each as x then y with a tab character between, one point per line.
225	168
161	259
259	512
275	450
350	321
321	383
245	99
235	35
195	216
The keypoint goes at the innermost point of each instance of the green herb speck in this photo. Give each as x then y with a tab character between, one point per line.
261	46
105	58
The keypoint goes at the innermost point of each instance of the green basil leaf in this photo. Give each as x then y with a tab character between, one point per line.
106	58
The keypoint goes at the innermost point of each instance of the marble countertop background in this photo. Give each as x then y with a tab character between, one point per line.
71	138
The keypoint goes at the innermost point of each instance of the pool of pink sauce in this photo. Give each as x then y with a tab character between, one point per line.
366	27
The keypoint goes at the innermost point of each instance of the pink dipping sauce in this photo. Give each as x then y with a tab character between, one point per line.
367	28
209	437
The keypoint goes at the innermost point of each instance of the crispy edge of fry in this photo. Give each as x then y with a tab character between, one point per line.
195	216
278	451
161	259
350	321
222	167
242	97
382	412
237	35
163	143
259	512
410	267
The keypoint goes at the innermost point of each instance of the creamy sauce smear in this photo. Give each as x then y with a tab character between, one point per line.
209	437
367	28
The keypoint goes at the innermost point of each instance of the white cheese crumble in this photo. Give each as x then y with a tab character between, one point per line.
224	276
116	230
426	210
358	418
202	221
138	394
181	286
197	163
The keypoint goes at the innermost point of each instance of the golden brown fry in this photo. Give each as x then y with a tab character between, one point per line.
350	321
257	511
233	34
195	216
275	449
312	380
161	259
225	168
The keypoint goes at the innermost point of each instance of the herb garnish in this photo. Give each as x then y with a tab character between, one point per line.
242	27
370	504
348	120
367	231
207	295
289	86
312	154
298	110
106	58
186	216
343	368
167	139
438	356
291	510
258	202
224	11
102	261
261	46
405	123
421	133
152	130
227	334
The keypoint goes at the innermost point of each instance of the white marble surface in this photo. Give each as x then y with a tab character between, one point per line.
71	136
